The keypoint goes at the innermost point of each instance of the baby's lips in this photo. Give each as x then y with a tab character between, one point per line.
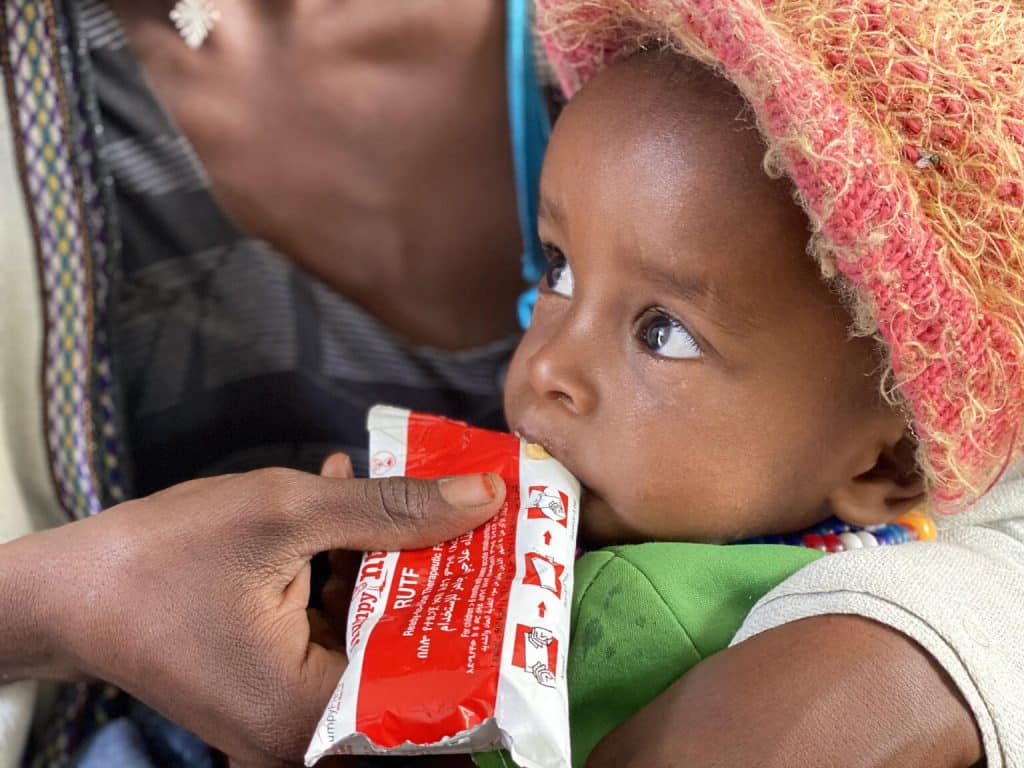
539	452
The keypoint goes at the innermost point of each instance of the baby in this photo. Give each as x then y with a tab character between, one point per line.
685	359
782	286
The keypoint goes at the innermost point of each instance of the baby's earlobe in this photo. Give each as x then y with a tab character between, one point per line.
892	487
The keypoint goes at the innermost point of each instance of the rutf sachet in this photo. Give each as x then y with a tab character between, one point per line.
462	647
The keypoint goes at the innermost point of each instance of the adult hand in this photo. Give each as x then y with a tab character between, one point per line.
194	599
825	691
336	593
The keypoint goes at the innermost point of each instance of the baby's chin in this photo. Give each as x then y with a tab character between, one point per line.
602	526
601	523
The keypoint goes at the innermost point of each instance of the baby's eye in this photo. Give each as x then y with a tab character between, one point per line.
666	336
558	277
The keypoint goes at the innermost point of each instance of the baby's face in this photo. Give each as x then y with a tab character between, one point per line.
685	359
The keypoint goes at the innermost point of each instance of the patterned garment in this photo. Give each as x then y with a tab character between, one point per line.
59	181
60	226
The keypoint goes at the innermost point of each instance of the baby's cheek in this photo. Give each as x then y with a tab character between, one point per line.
696	499
516	387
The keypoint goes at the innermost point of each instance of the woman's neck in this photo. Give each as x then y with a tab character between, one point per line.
366	141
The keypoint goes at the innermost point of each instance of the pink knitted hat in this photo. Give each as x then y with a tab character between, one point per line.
901	123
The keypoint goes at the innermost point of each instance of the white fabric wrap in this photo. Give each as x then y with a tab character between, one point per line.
960	597
27	497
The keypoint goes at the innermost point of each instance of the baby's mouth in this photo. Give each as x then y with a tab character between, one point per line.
539	449
589	499
534	448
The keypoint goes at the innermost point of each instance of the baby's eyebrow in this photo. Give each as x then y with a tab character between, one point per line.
730	316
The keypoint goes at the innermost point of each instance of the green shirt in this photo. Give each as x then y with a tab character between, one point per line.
645	614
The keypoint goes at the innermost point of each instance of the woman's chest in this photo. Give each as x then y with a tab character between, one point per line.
367	142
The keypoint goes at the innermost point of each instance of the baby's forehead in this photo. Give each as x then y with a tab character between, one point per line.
664	113
661	88
659	156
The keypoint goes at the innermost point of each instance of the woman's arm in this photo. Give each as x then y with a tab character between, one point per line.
194	599
825	691
31	603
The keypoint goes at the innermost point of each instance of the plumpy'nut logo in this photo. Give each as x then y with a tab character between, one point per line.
368	593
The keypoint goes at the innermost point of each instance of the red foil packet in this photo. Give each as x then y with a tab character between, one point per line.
462	647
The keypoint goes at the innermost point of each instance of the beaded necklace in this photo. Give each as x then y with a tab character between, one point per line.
833	535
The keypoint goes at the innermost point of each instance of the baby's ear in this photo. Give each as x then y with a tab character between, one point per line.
891	487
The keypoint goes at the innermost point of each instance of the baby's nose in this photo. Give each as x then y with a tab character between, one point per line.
560	376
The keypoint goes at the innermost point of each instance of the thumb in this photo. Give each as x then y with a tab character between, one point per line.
396	512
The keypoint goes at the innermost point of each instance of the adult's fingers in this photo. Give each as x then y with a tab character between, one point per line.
336	597
322	632
338	466
394	513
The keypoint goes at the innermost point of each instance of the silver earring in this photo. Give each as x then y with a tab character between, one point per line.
194	20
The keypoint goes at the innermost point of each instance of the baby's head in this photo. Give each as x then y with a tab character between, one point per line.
685	358
703	375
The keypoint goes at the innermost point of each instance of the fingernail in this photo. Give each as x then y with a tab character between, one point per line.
468	490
